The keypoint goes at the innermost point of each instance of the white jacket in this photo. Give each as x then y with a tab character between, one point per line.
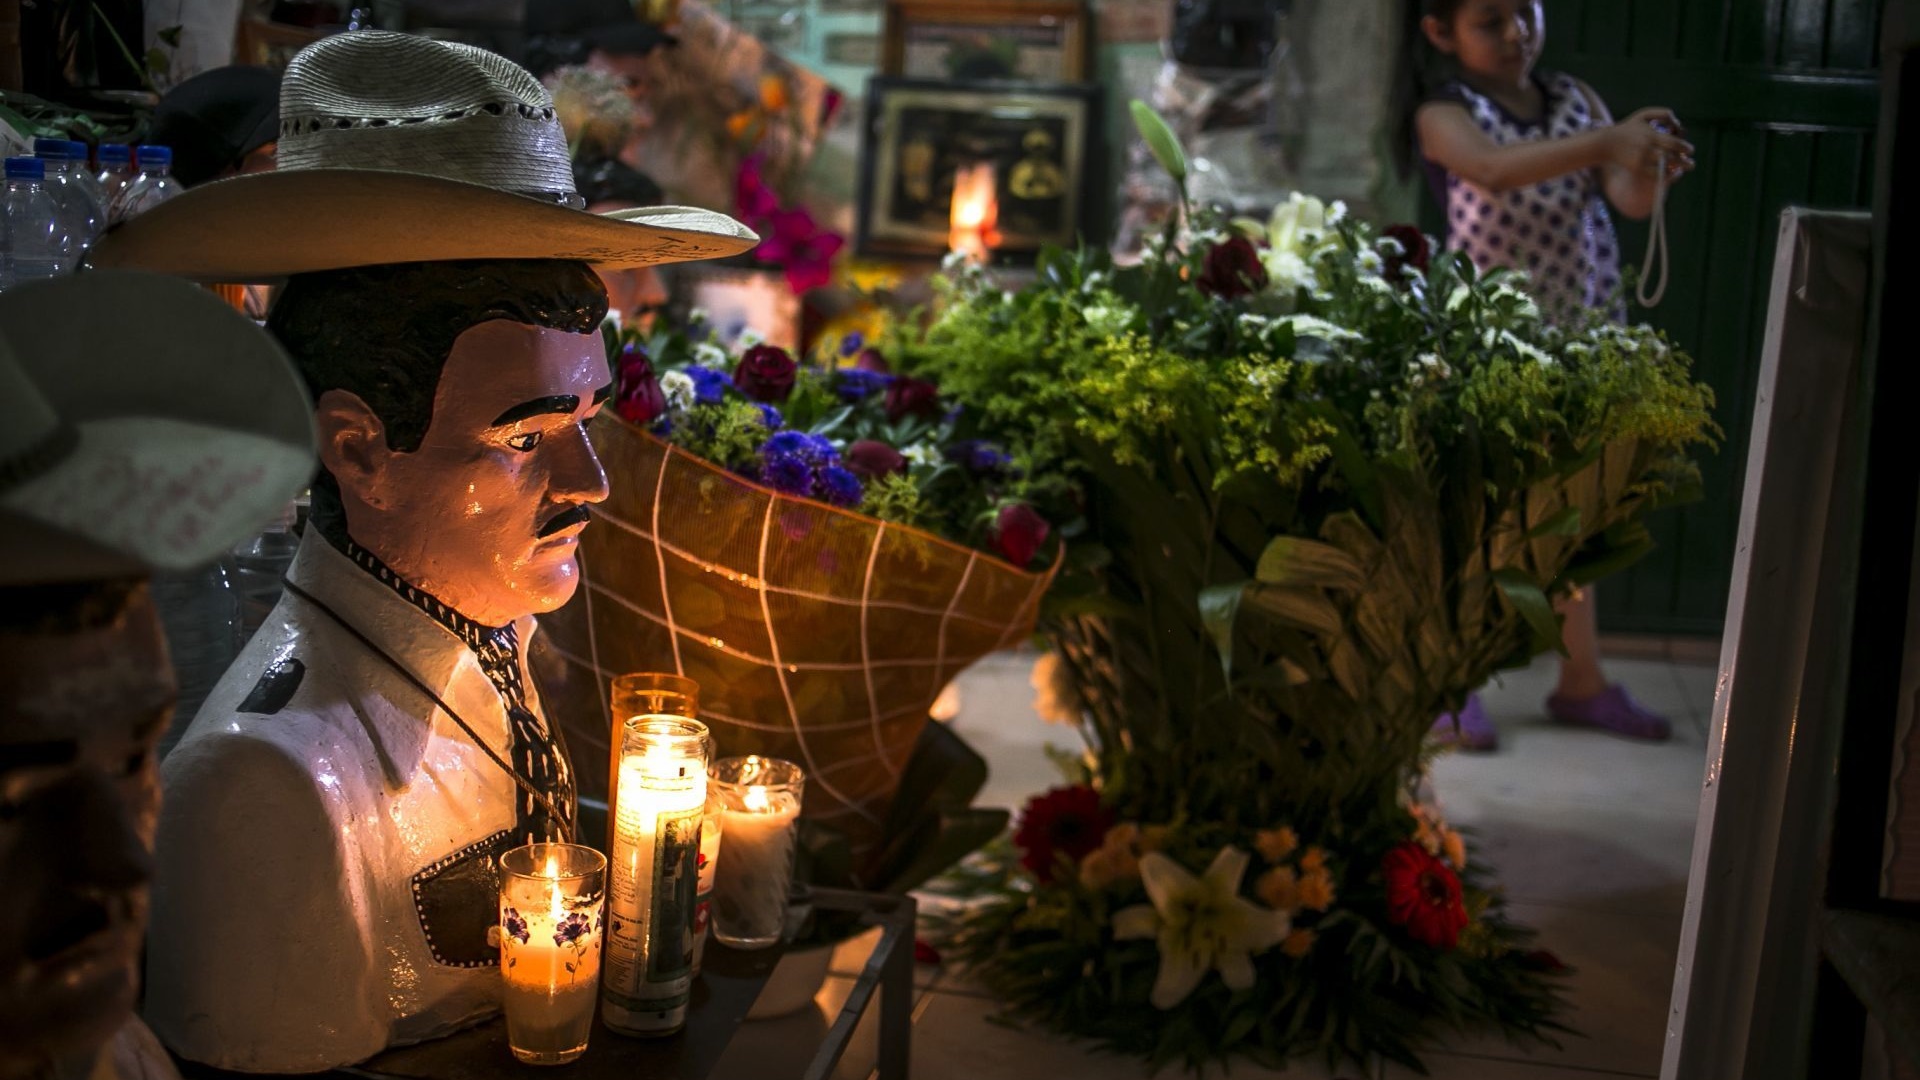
321	891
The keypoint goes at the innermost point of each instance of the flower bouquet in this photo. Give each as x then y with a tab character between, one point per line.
1333	482
821	548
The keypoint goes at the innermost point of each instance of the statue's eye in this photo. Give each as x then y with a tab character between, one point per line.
526	442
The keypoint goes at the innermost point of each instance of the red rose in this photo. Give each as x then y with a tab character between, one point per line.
1232	269
870	459
1065	821
765	373
1018	533
1414	251
871	360
639	399
912	397
1423	895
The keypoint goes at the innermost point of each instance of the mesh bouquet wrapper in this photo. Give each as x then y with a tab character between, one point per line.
816	634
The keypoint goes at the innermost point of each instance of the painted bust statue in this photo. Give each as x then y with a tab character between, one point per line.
326	849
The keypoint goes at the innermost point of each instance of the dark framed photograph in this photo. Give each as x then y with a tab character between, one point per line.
974	40
1040	141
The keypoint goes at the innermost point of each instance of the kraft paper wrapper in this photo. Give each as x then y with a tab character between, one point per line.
816	634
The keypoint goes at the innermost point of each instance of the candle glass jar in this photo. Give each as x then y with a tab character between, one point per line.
760	801
660	782
552	913
644	693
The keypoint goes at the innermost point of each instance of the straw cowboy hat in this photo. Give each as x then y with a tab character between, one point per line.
123	455
395	148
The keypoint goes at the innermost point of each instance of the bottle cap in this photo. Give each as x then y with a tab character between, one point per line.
53	149
154	155
116	152
26	168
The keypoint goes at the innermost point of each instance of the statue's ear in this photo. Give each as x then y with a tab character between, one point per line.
353	445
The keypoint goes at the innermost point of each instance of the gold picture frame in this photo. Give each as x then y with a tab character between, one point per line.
1040	41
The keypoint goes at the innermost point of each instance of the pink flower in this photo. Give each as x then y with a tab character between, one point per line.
797	244
912	397
1018	533
871	360
753	200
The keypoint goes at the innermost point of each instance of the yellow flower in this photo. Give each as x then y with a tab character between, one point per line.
1278	889
1316	890
1275	844
1201	923
1456	849
1298	943
1314	859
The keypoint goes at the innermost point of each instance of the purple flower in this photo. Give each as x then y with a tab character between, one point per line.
979	457
771	417
871	458
793	443
514	925
639	399
840	487
765	373
912	397
709	386
788	474
852	343
571	928
858	384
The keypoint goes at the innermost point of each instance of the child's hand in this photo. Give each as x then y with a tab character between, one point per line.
1638	143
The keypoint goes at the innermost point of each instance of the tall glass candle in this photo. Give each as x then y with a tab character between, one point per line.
643	693
661	786
760	797
552	910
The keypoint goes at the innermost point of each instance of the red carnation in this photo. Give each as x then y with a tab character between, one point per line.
1065	821
765	373
1414	251
1232	269
639	399
1018	533
869	459
912	397
1423	895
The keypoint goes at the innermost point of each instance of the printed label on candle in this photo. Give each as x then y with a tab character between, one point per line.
676	854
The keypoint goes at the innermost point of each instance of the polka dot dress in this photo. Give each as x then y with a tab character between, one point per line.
1558	230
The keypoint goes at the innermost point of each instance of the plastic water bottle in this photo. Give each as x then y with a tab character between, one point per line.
153	186
35	243
116	172
73	188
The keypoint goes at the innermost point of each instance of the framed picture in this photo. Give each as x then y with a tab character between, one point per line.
1021	40
1039	140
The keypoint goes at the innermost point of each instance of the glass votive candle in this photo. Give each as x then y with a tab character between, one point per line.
660	779
552	907
643	693
760	800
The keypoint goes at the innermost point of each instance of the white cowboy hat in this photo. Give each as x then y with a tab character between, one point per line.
144	425
395	148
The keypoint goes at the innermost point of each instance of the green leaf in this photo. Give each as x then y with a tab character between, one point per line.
1617	549
1219	604
1308	609
1292	560
1160	141
1564	523
1531	601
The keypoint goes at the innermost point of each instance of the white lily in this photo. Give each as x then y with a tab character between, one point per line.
1298	224
1202	923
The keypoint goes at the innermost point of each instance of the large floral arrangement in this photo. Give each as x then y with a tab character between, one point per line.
822	548
1333	481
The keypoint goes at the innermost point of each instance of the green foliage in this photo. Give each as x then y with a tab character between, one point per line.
1316	516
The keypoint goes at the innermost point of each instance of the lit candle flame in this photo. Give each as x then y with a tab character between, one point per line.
974	215
756	800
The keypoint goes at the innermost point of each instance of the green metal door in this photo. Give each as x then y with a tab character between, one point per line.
1780	98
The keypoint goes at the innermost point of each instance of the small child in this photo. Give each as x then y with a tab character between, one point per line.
1525	163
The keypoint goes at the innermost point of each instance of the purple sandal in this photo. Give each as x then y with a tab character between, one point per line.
1468	729
1614	710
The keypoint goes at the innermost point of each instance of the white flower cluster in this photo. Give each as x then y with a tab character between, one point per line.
677	388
